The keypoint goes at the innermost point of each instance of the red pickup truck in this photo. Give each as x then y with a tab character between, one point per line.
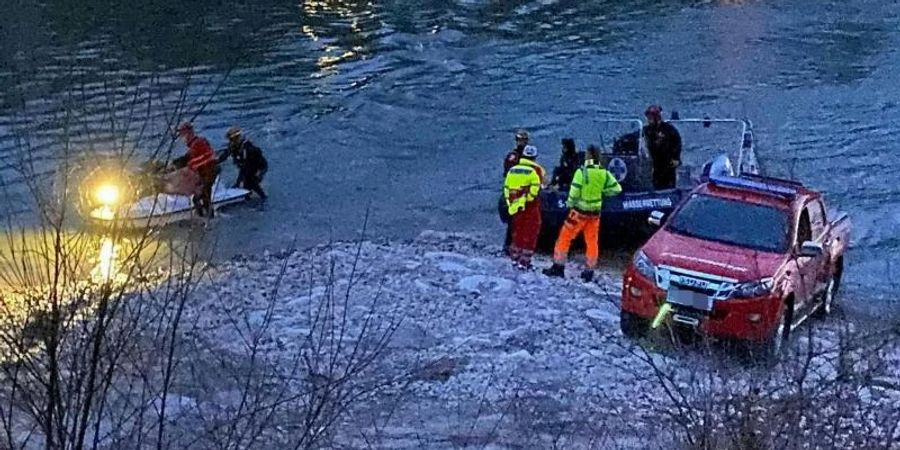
745	258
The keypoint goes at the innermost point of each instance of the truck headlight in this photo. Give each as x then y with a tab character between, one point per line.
107	194
644	266
755	288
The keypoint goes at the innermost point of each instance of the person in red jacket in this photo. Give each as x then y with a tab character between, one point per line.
512	158
201	158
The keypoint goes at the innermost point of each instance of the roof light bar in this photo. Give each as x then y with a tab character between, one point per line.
764	179
754	185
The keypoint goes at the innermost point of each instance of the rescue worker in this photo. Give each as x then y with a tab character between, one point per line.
569	161
201	159
510	160
590	185
252	165
664	144
520	189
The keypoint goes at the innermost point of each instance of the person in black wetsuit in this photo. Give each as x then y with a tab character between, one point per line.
664	145
252	165
570	160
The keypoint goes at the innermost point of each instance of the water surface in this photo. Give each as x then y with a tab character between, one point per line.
406	108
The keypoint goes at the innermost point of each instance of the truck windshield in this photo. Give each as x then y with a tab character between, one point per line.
732	222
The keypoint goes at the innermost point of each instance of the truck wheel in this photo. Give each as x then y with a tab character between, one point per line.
827	305
776	344
632	325
831	289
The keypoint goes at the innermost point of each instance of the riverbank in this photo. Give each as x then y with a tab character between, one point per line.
468	351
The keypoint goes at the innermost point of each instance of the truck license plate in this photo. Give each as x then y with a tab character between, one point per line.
692	299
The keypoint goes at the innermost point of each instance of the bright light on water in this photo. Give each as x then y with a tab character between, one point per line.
107	194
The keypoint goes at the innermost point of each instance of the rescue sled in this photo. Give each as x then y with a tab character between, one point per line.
158	209
724	145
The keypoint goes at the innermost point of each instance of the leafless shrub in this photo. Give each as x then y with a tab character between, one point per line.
835	388
293	394
100	342
89	318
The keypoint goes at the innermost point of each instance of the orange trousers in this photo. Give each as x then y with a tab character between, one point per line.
577	223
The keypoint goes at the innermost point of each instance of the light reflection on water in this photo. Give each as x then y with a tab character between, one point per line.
38	264
72	274
107	268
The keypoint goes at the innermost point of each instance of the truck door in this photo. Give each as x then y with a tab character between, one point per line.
808	267
818	225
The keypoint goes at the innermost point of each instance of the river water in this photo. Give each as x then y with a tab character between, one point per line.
406	107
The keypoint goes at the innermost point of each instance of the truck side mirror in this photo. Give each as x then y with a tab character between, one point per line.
656	218
810	249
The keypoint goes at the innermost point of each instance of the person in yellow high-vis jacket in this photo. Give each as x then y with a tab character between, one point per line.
521	189
589	186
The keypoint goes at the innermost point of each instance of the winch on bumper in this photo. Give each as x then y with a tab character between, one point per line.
703	302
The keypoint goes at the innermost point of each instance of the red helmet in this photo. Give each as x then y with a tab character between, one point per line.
185	127
653	111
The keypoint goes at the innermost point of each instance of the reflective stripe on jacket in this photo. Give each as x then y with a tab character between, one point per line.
589	185
522	184
200	153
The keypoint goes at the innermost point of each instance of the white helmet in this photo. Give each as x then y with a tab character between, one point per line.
720	166
529	151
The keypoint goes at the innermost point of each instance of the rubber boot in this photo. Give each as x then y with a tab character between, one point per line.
587	275
556	270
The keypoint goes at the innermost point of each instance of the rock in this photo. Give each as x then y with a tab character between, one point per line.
546	313
450	266
600	318
255	319
411	336
441	369
522	355
482	284
421	285
526	339
176	404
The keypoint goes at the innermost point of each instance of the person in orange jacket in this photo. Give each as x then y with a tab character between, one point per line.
590	185
200	158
